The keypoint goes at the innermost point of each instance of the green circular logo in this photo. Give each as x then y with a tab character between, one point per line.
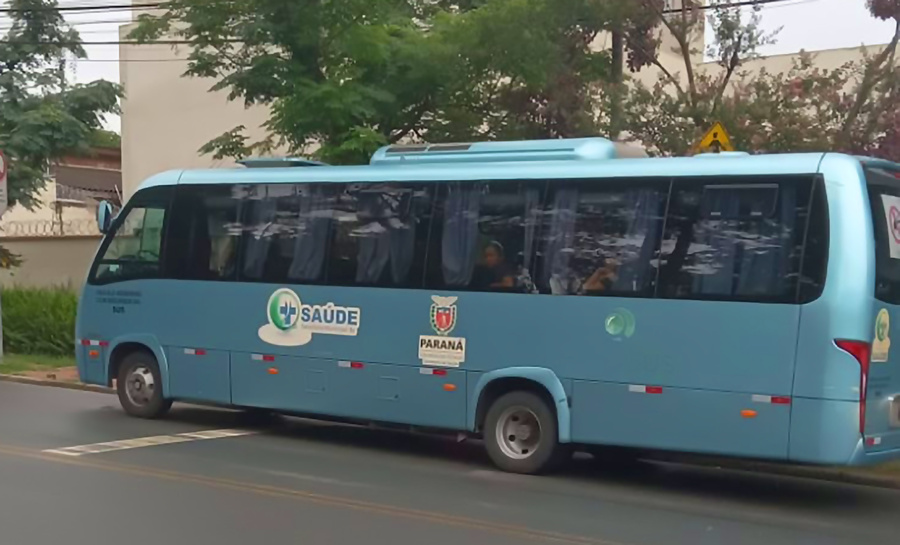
615	325
881	325
620	323
284	309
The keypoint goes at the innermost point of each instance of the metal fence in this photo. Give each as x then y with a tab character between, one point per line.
49	228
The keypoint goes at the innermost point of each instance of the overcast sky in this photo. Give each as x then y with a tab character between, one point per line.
805	24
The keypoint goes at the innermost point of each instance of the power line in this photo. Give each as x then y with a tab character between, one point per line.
126	61
117	42
724	5
106	7
81	32
157	5
7	26
743	3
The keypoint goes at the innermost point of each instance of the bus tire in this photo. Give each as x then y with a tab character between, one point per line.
140	387
521	434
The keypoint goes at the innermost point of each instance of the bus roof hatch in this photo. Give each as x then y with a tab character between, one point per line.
571	149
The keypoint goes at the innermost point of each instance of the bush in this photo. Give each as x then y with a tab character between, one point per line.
39	321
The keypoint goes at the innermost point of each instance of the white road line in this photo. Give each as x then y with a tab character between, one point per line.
140	442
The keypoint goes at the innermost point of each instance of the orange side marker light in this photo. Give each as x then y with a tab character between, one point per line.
449	387
748	413
273	370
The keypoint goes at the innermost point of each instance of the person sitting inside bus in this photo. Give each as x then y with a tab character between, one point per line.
493	273
602	279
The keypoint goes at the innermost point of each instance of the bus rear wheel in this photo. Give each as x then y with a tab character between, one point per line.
140	387
520	434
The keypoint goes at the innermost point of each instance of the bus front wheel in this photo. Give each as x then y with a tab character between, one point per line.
520	434
140	388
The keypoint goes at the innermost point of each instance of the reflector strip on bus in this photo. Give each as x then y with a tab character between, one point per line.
350	364
873	441
642	389
775	400
195	351
262	357
435	372
90	342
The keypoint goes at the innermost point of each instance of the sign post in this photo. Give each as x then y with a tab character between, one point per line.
715	140
4	203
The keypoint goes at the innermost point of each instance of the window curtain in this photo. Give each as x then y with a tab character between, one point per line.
459	248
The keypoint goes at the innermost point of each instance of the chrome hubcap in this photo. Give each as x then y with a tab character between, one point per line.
140	386
518	432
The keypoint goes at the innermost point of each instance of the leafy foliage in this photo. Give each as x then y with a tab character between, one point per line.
39	320
851	108
344	77
41	117
105	139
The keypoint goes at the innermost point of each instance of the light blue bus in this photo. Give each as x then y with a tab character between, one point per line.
543	295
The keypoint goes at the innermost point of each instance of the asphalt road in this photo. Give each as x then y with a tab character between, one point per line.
300	482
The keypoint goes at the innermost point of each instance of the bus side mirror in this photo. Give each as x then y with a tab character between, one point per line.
104	216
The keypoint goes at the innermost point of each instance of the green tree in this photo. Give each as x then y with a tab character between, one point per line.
669	116
41	117
852	108
528	68
344	76
105	139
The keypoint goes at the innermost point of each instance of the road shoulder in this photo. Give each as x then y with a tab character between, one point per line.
862	477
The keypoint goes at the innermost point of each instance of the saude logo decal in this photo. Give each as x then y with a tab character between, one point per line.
293	323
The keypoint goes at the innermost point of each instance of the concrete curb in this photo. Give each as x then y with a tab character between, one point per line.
838	475
830	474
57	384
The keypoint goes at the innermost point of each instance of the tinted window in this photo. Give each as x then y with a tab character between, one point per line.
286	232
601	238
815	250
735	239
884	197
380	234
134	247
205	231
483	236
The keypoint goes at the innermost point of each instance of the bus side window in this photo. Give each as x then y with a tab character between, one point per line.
483	236
601	238
380	235
134	248
735	239
204	233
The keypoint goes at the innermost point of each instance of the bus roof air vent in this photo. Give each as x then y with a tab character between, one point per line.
572	149
279	162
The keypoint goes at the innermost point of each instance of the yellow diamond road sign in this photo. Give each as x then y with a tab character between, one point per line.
715	140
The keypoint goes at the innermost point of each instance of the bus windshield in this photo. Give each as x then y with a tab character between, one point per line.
884	197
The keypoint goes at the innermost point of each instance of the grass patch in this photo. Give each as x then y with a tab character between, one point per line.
39	320
14	364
